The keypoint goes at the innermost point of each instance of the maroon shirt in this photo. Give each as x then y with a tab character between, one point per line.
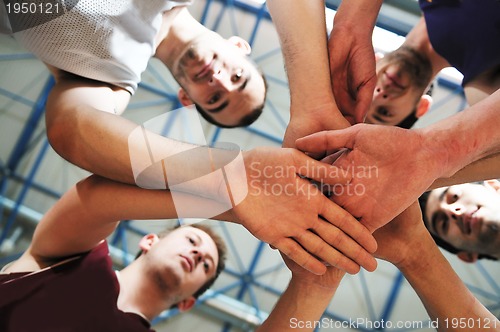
79	295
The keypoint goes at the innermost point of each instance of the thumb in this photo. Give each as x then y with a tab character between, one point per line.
327	140
364	100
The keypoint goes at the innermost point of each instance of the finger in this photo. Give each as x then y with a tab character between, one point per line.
331	157
345	244
364	100
319	171
343	220
324	251
300	256
327	140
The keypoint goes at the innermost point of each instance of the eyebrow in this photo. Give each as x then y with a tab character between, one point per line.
226	103
441	196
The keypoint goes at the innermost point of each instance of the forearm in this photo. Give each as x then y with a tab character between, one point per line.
299	304
466	137
82	128
442	292
304	49
483	169
90	211
358	16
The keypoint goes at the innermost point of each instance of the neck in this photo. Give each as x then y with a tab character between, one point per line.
179	31
418	39
138	294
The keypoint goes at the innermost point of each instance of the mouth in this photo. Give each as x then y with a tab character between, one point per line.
188	263
205	70
379	119
471	222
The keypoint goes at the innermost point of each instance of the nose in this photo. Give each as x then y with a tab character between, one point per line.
197	256
455	210
221	78
380	93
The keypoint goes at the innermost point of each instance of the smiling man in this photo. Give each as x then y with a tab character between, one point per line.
216	75
465	219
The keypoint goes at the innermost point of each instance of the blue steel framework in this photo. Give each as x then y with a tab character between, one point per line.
247	276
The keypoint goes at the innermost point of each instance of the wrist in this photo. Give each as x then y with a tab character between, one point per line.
323	116
315	284
349	14
313	289
419	256
446	149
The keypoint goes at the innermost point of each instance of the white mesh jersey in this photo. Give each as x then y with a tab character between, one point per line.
106	40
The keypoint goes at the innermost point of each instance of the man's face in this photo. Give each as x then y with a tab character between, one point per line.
183	261
218	76
397	93
467	216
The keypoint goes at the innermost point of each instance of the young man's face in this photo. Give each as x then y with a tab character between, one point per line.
397	94
217	75
466	216
183	261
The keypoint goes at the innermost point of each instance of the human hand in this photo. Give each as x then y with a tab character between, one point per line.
329	280
291	214
319	118
352	70
398	239
390	167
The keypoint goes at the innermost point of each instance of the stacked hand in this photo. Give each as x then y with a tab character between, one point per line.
352	68
329	280
398	239
291	214
391	167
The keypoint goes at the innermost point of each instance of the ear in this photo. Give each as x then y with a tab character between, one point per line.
469	257
493	184
147	242
186	304
184	98
423	105
240	43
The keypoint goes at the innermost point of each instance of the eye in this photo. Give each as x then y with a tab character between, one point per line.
237	76
443	222
215	98
206	266
451	197
191	241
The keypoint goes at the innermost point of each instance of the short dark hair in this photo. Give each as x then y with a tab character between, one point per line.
246	120
422	200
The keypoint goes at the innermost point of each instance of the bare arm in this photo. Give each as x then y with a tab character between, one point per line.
409	159
304	300
305	52
352	59
90	211
406	243
83	130
483	169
